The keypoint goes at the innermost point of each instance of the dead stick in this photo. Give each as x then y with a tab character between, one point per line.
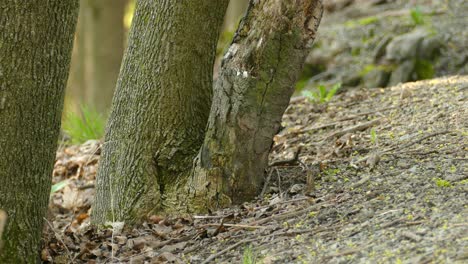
359	127
286	233
214	256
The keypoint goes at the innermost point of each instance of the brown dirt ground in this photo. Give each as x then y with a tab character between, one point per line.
380	177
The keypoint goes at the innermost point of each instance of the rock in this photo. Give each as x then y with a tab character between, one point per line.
429	47
405	46
296	188
402	73
376	78
351	80
379	50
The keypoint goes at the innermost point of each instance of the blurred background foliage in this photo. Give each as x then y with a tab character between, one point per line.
100	42
360	44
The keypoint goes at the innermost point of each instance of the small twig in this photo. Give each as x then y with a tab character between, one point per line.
346	252
459	224
285	202
160	245
419	140
209	216
288	162
236	225
286	233
411	236
359	127
214	256
392	223
287	214
390	211
72	260
361	182
86	186
410	223
265	185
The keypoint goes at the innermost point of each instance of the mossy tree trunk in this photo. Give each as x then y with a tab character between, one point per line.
152	159
36	39
160	108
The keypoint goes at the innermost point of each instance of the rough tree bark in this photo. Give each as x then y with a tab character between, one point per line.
253	89
160	108
98	51
36	39
151	163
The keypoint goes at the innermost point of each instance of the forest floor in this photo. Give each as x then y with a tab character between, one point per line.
380	176
376	175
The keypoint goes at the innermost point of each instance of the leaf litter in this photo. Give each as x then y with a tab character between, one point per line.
373	176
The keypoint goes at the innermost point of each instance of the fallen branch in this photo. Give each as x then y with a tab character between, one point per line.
288	162
358	127
244	241
214	256
419	140
235	225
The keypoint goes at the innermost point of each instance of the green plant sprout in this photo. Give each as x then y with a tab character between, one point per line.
373	136
321	95
417	16
84	125
249	256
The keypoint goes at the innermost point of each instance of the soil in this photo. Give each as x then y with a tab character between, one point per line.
376	175
381	177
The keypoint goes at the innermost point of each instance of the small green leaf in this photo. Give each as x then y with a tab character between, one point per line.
58	186
322	93
417	16
373	136
332	92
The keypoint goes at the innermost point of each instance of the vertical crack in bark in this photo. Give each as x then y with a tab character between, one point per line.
267	86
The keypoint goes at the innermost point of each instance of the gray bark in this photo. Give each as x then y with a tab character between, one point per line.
160	108
36	39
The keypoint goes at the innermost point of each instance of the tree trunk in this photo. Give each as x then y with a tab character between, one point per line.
36	39
98	54
252	92
160	108
150	162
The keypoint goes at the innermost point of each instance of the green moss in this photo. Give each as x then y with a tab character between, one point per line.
442	183
424	69
361	22
356	51
249	257
417	16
